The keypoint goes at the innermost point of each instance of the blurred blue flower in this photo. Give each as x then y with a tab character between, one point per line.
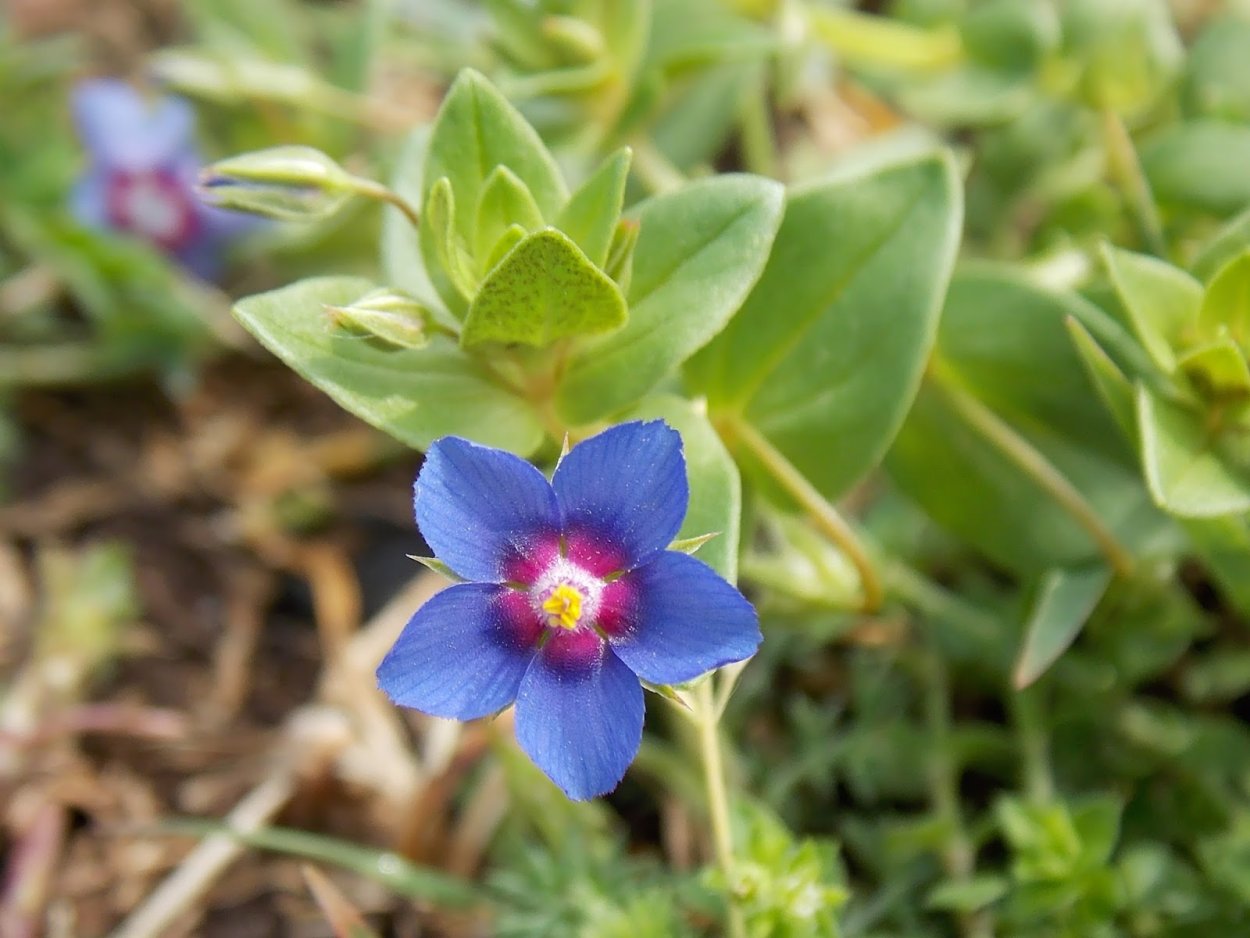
572	598
141	174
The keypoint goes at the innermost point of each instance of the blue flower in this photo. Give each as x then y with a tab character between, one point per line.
141	174
573	596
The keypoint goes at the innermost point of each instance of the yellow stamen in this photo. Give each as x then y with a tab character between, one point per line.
563	607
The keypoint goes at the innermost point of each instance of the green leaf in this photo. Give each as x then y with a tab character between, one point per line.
715	488
591	214
416	395
504	202
1217	79
699	251
1226	305
545	289
967	895
1063	606
475	131
397	874
1162	302
1183	468
1200	165
827	352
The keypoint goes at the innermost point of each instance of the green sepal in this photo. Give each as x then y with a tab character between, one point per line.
690	545
435	565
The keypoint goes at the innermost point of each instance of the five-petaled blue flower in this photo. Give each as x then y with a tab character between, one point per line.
142	171
573	596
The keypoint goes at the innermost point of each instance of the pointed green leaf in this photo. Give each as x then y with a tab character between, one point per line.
1226	305
507	241
1218	369
1064	604
544	290
453	259
476	130
827	352
620	263
1183	468
700	250
591	214
416	395
1162	302
1115	390
504	202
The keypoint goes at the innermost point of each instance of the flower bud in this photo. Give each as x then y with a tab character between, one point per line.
291	183
395	319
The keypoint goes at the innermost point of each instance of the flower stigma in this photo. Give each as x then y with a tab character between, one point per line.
566	596
563	607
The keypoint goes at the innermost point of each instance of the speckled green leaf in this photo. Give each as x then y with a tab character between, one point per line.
544	289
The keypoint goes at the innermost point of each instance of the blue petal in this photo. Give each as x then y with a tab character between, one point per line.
462	655
681	620
125	130
580	720
482	509
626	486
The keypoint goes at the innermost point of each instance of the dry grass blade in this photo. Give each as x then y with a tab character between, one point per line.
339	911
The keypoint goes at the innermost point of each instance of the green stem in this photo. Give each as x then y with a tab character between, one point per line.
1039	781
380	193
759	146
654	169
958	855
718	798
1003	437
822	514
1126	172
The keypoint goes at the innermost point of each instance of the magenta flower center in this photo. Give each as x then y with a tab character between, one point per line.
565	596
152	205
